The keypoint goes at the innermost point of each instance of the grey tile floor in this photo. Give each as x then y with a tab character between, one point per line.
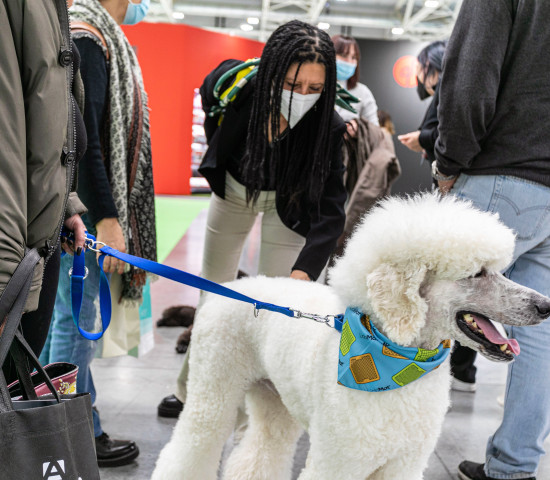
129	390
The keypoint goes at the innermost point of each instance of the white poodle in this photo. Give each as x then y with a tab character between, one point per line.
424	269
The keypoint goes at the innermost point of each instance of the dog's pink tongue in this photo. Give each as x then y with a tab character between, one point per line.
493	336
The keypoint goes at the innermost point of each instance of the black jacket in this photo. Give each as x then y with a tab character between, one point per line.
428	129
494	105
320	224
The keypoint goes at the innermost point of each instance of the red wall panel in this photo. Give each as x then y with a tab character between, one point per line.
174	60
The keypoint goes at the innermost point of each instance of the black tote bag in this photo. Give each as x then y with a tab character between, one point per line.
43	438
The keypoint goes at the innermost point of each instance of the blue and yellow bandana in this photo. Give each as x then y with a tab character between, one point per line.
369	361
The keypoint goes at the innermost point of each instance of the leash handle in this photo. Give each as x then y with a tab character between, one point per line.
79	273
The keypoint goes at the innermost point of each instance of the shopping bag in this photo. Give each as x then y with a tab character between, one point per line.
49	437
131	329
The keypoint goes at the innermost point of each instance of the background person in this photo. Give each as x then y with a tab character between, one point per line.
494	149
428	76
348	57
277	151
115	180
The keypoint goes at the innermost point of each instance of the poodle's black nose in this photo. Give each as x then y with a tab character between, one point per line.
543	309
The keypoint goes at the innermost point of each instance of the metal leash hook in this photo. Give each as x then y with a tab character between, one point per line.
316	318
93	245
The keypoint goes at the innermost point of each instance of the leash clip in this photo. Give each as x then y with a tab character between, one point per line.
93	245
316	318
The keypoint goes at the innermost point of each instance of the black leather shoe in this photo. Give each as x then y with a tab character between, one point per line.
474	471
114	453
170	407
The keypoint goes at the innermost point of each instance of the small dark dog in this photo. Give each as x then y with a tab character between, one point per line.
178	316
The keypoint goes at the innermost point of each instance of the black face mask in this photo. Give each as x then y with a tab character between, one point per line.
421	90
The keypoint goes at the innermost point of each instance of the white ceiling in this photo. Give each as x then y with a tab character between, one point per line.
380	19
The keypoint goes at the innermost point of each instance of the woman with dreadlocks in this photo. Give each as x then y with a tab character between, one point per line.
277	150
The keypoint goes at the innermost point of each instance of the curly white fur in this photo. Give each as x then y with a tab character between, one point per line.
402	247
400	241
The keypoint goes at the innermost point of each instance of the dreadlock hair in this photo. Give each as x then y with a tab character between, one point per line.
305	164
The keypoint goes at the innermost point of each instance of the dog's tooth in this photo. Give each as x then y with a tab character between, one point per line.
504	347
474	324
468	318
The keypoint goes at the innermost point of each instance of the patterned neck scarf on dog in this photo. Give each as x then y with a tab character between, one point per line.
369	361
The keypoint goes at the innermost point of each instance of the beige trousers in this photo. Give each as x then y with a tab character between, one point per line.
228	224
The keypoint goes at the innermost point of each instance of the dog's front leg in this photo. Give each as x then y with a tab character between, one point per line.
266	451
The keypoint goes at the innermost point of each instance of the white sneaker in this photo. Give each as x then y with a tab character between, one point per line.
460	386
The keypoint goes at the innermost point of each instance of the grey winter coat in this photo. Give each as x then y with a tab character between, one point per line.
37	137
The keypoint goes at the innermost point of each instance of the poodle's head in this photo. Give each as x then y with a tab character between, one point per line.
428	268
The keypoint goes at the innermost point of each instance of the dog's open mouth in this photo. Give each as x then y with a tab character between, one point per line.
480	329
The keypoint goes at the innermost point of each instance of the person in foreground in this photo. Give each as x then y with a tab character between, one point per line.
277	151
494	149
115	181
42	137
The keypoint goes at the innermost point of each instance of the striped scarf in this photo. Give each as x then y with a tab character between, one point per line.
126	144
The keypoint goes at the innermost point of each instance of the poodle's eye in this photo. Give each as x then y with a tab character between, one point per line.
481	273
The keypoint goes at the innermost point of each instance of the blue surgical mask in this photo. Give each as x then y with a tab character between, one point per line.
344	70
136	12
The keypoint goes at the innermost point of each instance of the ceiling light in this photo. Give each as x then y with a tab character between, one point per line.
253	20
178	15
323	25
431	3
397	31
246	27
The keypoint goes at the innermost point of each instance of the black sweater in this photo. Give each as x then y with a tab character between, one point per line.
93	182
494	108
321	224
428	129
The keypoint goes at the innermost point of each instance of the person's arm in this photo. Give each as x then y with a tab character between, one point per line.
470	82
429	129
327	219
94	187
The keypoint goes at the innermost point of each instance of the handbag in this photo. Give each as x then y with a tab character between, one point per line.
48	437
63	377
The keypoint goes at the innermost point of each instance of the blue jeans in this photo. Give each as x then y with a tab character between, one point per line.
64	343
515	449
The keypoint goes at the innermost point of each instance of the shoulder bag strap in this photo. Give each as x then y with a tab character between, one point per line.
78	26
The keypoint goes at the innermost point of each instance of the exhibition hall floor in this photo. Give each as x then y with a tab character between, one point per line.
129	389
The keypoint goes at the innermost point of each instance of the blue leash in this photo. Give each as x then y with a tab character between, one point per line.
79	273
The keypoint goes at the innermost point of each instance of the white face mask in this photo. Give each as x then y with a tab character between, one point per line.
301	104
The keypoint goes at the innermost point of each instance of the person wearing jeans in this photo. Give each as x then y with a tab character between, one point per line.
65	344
494	149
62	345
115	181
518	444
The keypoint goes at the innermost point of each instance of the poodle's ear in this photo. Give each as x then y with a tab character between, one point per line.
394	295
